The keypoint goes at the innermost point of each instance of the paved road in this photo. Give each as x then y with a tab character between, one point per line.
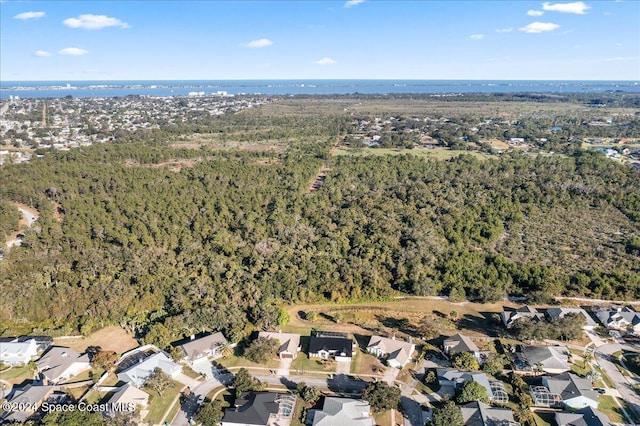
28	215
190	405
623	385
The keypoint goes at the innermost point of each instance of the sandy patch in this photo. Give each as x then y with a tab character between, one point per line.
110	338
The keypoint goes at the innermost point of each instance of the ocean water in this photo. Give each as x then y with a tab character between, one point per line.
49	89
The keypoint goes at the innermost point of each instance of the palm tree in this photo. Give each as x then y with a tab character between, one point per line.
224	349
586	358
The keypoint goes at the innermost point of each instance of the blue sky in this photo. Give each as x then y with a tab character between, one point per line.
154	40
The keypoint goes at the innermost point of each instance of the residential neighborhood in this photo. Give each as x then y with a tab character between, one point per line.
324	372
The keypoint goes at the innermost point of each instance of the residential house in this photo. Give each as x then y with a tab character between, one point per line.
289	343
203	347
43	342
137	373
30	398
586	417
458	343
259	409
565	390
557	313
529	312
60	364
620	318
550	359
342	411
18	353
327	345
480	414
128	398
451	380
397	352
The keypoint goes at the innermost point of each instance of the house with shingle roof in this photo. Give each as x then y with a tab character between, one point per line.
458	343
289	343
30	398
130	397
585	417
557	313
480	414
327	345
551	359
565	390
529	312
396	352
259	409
203	347
137	373
59	364
342	411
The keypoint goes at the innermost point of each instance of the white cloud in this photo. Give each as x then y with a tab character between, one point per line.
476	36
325	61
42	53
539	27
579	8
94	22
535	13
29	15
352	3
262	42
73	51
504	30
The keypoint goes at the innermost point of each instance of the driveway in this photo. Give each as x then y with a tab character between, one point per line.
343	367
190	406
623	385
390	375
284	367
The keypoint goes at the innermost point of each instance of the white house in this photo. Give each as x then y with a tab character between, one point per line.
458	343
17	353
551	359
327	345
127	397
620	318
342	411
137	373
397	352
566	390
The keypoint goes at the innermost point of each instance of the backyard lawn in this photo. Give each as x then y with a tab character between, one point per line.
158	405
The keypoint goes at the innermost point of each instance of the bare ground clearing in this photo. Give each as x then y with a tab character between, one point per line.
110	338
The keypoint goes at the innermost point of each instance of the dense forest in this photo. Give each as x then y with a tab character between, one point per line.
220	241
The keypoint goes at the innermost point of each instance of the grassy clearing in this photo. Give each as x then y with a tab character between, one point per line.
158	404
16	375
303	364
544	418
383	418
110	338
237	361
432	153
364	363
607	404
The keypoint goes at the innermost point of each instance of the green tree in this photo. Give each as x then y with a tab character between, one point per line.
381	396
244	382
472	391
209	413
428	328
73	418
261	350
494	364
158	381
448	415
308	393
105	360
465	361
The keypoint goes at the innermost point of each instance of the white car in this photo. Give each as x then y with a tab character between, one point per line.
200	399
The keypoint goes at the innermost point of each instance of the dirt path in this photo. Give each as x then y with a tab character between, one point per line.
322	172
29	216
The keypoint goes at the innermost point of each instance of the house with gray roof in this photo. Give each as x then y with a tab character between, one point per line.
558	313
127	397
585	417
18	353
620	318
60	364
259	409
31	398
480	414
550	359
458	343
137	373
289	343
451	380
396	352
342	411
565	390
203	347
509	317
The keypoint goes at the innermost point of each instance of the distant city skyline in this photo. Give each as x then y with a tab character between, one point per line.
355	39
